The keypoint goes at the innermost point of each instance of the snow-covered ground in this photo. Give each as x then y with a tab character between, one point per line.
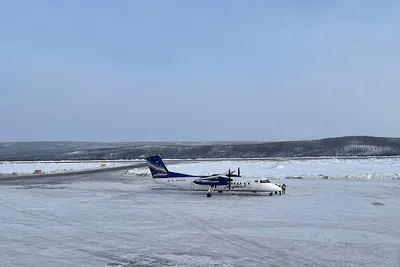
52	167
114	220
372	168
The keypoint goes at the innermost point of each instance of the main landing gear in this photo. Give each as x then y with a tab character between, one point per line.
209	192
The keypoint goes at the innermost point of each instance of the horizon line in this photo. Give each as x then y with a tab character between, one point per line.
220	141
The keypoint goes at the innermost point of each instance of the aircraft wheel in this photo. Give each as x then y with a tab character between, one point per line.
208	194
220	191
270	194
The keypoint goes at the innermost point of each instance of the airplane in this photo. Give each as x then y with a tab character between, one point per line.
220	182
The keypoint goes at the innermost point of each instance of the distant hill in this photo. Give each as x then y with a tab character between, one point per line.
338	146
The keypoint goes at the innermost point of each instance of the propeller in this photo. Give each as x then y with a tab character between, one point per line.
229	179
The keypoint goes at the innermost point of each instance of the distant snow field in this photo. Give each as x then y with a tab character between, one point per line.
371	168
51	167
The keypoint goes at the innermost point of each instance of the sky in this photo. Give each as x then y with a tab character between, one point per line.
201	70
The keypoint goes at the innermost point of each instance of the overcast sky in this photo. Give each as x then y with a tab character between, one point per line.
166	70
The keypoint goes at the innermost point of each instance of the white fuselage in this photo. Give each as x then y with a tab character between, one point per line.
237	184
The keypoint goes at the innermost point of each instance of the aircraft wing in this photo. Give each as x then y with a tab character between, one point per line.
218	175
214	177
222	177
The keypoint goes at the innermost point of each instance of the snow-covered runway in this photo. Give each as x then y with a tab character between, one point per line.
114	220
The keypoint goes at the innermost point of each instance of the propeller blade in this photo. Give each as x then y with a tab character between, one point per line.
229	179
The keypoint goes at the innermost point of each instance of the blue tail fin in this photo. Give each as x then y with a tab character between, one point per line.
159	170
157	167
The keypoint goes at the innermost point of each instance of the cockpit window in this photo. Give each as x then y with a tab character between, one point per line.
265	181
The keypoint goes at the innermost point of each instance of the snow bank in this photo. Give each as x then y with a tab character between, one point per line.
371	168
52	167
